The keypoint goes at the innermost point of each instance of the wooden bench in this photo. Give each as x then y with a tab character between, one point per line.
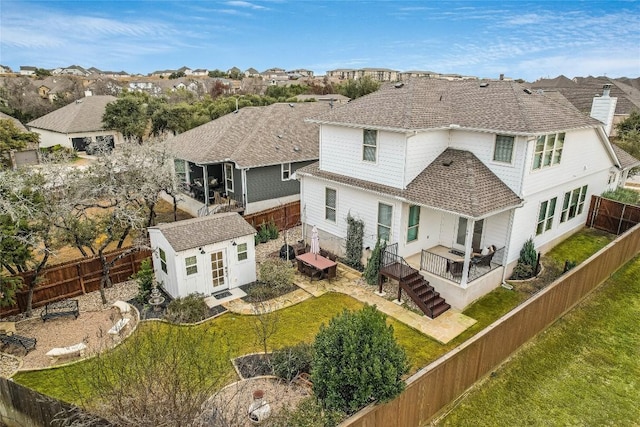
19	341
119	326
72	350
67	307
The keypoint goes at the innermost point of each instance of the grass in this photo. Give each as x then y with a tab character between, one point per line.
579	246
584	370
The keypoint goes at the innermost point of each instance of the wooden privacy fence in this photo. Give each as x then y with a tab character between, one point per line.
284	217
21	406
612	216
438	384
74	278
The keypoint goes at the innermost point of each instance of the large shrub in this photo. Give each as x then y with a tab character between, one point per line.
353	253
189	309
357	361
276	275
289	362
372	269
527	265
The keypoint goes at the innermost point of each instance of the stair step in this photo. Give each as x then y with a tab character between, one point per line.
438	310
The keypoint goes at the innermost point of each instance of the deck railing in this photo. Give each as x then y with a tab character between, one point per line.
441	266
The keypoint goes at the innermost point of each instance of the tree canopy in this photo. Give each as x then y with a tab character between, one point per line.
628	134
12	138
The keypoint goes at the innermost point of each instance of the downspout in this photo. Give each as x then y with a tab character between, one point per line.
205	178
245	197
507	247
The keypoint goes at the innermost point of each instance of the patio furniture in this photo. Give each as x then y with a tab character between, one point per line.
314	265
483	260
19	341
455	268
67	307
72	350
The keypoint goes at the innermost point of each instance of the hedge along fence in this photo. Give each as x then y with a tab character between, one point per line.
21	406
74	278
284	217
438	384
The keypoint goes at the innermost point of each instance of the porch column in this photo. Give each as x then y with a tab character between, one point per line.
468	243
205	184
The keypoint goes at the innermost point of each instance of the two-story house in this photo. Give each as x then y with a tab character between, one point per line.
443	170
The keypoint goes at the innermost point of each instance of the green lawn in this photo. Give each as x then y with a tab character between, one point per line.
584	370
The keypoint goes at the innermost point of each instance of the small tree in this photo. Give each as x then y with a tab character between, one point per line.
372	269
527	265
266	322
355	230
144	277
357	361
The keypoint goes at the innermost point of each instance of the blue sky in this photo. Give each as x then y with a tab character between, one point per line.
521	39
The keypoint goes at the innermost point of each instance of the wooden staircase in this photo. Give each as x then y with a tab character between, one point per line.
413	283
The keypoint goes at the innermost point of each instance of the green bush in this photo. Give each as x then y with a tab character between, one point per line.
522	271
276	274
527	265
372	269
263	233
308	413
355	231
272	229
144	277
289	362
357	361
189	309
623	195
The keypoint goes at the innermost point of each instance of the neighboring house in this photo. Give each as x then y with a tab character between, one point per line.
73	70
580	92
406	75
251	72
27	70
203	255
342	74
186	70
5	69
76	125
200	72
300	72
247	158
444	169
28	155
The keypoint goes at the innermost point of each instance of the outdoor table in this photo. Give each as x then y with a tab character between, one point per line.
318	262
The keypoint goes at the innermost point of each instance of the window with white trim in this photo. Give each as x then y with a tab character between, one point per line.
548	151
573	203
286	171
242	251
369	145
191	262
163	259
413	223
545	215
385	215
228	177
330	202
503	149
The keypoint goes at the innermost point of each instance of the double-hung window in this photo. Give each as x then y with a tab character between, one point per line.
573	203
545	215
286	171
163	259
242	251
330	202
369	145
548	151
414	222
192	265
385	215
503	149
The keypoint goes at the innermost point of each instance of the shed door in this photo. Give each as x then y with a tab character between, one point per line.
218	272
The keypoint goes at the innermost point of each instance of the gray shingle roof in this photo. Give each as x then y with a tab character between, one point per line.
15	121
83	115
500	106
196	232
254	136
627	161
465	187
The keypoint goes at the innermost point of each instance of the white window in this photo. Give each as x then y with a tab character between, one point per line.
503	149
163	260
545	215
414	222
228	176
385	215
573	203
242	251
181	170
192	265
548	150
330	199
286	171
369	145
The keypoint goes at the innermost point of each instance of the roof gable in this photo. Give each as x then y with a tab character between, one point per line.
197	232
83	115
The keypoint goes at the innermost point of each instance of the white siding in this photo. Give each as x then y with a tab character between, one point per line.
482	146
178	284
341	153
422	149
49	138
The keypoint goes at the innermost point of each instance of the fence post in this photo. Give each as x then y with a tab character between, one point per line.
81	278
